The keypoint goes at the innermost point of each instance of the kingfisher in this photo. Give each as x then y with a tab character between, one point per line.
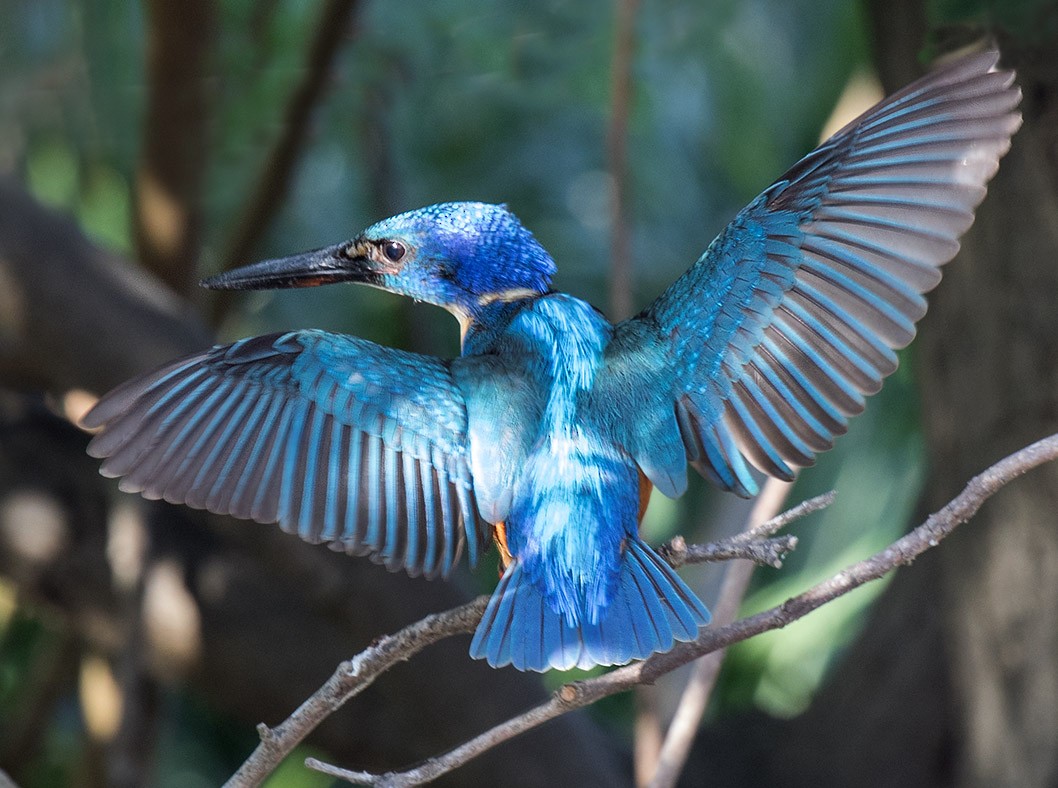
549	431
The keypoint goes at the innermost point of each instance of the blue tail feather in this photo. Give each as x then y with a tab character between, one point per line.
684	612
651	609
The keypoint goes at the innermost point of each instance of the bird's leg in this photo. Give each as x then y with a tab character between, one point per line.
499	534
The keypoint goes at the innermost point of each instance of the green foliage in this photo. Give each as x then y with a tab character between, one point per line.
22	640
877	469
1032	22
30	650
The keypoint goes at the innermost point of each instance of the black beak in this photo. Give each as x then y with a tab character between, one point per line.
341	263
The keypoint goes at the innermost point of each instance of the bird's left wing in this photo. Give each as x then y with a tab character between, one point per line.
766	346
336	438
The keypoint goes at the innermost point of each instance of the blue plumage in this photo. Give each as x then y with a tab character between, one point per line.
547	433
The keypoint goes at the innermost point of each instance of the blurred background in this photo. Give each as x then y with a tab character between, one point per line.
144	145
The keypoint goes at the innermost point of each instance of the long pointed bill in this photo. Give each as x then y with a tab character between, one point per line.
309	269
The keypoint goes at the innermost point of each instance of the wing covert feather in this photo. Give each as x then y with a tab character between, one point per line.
337	439
775	336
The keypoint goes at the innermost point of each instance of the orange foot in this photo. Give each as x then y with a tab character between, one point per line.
499	533
645	487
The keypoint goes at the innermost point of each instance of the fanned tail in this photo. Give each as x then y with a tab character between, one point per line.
652	609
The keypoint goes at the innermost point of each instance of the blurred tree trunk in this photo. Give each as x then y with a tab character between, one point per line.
954	682
168	210
988	365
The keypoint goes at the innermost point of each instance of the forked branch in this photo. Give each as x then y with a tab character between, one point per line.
356	674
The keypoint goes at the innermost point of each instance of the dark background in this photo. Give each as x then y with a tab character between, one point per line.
145	145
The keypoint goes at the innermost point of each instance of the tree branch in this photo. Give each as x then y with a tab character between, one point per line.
753	544
349	680
680	735
355	675
278	168
578	694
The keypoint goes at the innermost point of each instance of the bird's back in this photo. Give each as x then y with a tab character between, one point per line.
579	587
570	495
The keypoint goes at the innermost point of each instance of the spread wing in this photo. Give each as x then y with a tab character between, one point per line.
335	438
771	341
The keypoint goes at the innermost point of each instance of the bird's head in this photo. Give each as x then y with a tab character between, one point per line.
459	255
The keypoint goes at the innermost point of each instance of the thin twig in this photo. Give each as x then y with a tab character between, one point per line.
578	694
353	676
755	544
695	697
350	679
780	521
766	552
277	170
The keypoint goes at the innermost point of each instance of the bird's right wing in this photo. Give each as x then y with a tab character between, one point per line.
337	439
765	347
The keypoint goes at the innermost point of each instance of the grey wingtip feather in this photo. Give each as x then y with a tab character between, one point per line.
119	399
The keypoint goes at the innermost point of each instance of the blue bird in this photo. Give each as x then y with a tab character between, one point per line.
547	434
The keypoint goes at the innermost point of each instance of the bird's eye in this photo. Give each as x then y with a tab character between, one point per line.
394	251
